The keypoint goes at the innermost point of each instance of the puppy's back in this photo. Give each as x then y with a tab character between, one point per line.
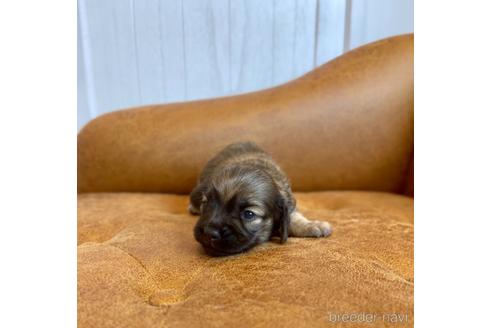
245	155
234	154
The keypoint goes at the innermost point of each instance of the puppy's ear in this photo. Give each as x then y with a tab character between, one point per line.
282	219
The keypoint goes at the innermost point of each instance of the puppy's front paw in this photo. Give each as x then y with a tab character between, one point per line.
316	229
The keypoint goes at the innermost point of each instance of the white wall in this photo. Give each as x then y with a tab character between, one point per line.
136	52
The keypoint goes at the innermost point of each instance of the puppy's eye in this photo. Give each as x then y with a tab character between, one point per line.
247	215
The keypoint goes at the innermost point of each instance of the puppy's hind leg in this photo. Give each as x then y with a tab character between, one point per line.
301	227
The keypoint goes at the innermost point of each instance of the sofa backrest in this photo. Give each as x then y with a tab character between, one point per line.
347	125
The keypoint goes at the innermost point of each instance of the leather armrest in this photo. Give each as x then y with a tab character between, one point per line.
346	125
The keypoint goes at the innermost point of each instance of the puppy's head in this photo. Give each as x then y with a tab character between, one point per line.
241	207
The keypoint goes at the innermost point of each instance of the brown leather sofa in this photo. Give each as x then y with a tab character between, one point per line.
344	135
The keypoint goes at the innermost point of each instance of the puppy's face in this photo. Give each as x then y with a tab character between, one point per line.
240	209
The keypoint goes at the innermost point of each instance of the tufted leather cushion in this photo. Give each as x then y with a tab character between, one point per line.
138	265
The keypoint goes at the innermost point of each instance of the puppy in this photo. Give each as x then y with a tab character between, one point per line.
243	199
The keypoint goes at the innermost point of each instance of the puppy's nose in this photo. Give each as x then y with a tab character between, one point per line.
212	232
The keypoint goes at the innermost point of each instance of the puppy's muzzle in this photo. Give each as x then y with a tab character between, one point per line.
212	233
217	240
208	234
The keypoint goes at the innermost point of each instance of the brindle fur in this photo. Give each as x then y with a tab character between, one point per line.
243	176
